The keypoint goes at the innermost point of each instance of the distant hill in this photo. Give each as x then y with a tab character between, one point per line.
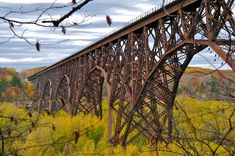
4	72
200	83
14	86
29	72
208	84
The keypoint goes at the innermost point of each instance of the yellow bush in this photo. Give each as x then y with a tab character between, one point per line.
64	134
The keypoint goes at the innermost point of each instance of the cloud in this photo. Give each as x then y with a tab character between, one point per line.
46	59
215	66
97	30
34	1
125	12
54	37
27	59
17	53
78	43
143	7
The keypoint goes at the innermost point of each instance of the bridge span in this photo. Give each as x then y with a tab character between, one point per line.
141	65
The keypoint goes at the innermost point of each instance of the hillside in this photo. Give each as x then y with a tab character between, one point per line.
29	72
198	83
14	86
208	84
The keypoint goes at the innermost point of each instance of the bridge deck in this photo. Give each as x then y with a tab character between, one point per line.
144	19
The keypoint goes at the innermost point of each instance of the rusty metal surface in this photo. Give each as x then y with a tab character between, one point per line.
141	66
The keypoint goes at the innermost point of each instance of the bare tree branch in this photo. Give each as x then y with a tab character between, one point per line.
57	22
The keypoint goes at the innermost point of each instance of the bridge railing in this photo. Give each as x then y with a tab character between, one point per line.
156	8
166	2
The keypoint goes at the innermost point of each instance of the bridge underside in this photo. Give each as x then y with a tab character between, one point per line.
141	69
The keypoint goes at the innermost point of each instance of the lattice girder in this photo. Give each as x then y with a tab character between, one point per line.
62	98
141	66
45	100
90	98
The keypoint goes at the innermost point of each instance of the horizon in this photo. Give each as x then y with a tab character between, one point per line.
19	71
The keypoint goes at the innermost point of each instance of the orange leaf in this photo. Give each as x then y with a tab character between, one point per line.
76	136
53	127
63	29
74	2
37	46
11	24
47	111
33	124
30	114
109	20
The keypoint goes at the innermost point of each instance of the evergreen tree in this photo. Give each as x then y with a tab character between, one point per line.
16	82
213	84
3	84
203	88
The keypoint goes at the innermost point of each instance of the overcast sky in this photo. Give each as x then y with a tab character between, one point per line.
20	55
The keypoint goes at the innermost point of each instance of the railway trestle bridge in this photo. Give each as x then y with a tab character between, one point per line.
141	65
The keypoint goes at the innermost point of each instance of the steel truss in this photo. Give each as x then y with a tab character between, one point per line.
141	67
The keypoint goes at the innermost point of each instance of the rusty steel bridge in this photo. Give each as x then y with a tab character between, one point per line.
141	66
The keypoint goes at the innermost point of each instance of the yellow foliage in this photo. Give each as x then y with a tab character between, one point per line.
29	88
64	134
8	77
29	72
